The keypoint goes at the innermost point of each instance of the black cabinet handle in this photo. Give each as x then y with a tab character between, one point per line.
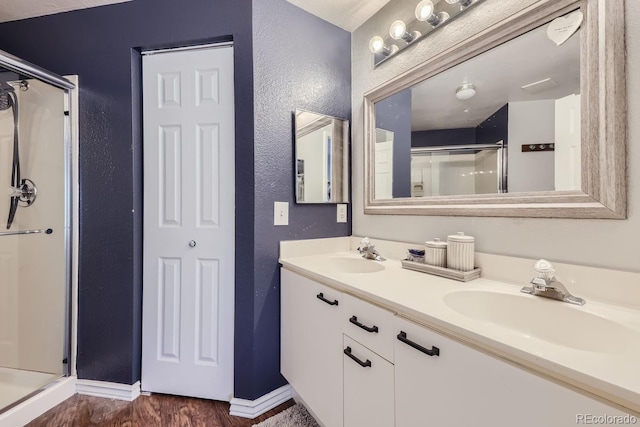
354	320
320	296
366	364
435	351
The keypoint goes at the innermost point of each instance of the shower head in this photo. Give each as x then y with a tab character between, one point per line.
6	93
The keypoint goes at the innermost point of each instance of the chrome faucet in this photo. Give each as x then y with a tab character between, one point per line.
546	284
368	250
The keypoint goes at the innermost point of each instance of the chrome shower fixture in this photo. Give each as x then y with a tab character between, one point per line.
26	193
7	94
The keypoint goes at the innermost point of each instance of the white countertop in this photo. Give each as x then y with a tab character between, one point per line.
612	372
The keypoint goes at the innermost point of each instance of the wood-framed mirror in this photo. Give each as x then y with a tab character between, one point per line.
321	147
585	178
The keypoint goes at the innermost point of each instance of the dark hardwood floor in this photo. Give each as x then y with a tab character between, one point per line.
146	411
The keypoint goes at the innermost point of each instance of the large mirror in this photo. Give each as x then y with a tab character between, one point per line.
510	123
321	158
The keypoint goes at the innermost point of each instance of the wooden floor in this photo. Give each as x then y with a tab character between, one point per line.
146	411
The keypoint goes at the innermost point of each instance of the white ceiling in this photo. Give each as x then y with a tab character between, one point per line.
498	76
346	14
12	10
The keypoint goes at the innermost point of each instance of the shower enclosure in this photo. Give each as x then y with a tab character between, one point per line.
35	229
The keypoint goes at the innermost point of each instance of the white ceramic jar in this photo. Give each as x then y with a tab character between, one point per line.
435	253
460	252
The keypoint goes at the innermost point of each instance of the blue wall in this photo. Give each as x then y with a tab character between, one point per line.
394	114
440	137
495	128
300	61
97	45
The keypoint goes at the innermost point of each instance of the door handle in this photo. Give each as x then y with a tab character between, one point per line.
366	364
435	351
354	320
321	297
192	243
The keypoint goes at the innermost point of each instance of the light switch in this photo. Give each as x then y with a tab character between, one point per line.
341	212
280	213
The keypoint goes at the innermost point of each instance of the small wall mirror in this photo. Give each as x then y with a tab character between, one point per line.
321	158
508	123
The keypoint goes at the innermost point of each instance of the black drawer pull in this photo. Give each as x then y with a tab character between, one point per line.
320	296
435	351
366	364
354	320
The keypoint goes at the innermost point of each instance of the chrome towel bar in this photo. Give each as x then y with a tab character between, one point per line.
38	231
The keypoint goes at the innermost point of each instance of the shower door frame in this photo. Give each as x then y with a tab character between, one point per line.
71	203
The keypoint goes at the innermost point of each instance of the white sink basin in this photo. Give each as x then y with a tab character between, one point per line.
543	319
354	265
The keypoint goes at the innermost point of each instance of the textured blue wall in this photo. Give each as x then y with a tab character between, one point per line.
495	128
394	114
299	61
97	45
439	137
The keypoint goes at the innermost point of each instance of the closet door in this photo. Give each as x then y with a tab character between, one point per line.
188	290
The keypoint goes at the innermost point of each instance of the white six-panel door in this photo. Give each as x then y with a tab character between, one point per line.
189	214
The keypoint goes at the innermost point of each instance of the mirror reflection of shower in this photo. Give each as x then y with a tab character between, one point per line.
22	192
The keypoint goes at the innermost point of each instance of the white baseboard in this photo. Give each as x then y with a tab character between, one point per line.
253	408
31	409
109	390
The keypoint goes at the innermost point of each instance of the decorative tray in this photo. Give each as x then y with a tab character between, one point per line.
462	276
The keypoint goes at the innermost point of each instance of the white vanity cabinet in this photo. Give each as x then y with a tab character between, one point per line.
368	387
368	364
355	364
311	345
461	386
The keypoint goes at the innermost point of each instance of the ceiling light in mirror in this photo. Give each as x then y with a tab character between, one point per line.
429	16
466	91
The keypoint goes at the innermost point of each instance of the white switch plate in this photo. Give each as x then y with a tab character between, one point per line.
280	213
341	212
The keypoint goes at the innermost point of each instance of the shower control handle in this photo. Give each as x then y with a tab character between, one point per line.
192	243
15	192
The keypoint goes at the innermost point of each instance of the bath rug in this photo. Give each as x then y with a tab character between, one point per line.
295	416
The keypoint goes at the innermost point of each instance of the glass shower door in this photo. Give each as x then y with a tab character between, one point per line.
33	237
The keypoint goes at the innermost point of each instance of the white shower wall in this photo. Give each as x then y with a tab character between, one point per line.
32	267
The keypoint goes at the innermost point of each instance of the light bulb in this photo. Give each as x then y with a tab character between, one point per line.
463	3
376	44
398	29
424	10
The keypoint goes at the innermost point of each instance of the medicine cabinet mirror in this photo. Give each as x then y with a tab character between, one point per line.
321	158
527	119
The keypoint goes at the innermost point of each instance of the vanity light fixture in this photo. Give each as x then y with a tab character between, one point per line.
425	12
463	3
430	15
376	45
398	30
466	91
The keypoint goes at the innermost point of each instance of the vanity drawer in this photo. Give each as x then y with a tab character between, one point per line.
369	324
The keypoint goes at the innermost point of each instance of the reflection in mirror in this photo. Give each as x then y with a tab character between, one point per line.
322	156
507	120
